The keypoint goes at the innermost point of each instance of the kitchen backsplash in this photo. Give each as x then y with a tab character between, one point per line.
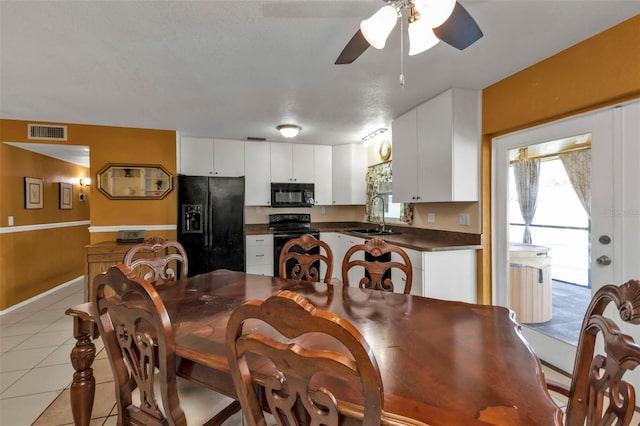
447	215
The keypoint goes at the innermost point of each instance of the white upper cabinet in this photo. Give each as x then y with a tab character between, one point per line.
257	181
211	157
228	157
404	132
196	156
291	163
322	174
436	149
349	174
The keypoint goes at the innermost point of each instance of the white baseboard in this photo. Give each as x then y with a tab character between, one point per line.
41	295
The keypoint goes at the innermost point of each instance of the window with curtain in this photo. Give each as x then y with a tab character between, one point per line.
379	179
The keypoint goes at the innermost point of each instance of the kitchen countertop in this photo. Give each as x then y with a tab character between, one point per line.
409	237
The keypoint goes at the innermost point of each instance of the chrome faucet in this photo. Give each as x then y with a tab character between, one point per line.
373	199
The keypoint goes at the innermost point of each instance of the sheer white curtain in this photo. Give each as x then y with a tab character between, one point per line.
527	176
577	164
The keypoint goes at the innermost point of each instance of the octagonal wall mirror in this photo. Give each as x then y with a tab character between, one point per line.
130	182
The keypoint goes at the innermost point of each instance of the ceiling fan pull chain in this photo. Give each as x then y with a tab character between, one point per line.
401	53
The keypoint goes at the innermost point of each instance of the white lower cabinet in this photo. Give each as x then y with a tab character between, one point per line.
447	274
331	239
399	278
259	254
450	275
339	244
345	242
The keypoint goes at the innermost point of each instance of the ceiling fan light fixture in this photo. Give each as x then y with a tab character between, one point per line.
289	130
376	29
421	36
435	12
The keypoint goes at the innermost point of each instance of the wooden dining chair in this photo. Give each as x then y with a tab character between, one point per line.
598	394
307	362
302	257
154	260
376	269
137	335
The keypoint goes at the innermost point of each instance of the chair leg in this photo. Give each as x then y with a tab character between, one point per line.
224	415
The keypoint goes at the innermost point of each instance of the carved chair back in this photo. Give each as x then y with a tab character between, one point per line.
600	367
308	362
306	263
376	269
156	259
137	335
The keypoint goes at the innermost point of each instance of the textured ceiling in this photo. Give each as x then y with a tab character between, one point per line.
233	69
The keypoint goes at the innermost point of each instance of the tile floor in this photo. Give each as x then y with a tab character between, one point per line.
569	304
35	371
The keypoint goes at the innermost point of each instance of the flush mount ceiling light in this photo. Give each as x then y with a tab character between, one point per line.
289	130
429	22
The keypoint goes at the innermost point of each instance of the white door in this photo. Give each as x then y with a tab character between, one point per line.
604	148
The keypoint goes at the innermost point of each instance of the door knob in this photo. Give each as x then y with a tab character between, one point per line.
603	260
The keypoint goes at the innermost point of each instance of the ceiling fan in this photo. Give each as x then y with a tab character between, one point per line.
429	22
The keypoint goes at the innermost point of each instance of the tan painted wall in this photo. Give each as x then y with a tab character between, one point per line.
107	145
35	261
600	71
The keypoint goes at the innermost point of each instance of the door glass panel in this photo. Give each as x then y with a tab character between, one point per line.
549	256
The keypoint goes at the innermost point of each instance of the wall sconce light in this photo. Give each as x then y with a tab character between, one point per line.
84	181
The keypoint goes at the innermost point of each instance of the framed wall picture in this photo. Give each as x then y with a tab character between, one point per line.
66	196
33	193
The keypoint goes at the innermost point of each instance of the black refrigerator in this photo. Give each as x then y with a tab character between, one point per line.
211	222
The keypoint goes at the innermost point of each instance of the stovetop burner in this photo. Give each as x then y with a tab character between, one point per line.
290	222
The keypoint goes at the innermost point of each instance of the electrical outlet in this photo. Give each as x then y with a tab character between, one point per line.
258	209
10	220
323	210
431	217
463	219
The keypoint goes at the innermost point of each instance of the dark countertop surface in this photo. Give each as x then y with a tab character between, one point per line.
409	237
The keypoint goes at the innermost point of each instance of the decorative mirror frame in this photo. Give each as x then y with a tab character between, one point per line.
134	181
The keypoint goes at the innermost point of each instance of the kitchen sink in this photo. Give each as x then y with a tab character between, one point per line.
373	231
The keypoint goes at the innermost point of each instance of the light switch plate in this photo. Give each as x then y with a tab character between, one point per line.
463	219
431	217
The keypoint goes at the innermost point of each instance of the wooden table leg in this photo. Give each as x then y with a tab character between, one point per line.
84	384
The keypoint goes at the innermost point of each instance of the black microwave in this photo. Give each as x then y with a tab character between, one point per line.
292	195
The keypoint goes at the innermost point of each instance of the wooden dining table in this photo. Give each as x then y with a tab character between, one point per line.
442	362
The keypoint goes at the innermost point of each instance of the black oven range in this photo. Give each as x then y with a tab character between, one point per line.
286	226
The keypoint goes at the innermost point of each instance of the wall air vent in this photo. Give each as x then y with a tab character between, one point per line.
47	132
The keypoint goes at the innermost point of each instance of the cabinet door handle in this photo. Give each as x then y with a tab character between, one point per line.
259	240
259	255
